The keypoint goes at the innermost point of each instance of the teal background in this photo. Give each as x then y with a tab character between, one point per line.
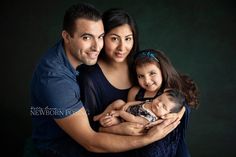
198	37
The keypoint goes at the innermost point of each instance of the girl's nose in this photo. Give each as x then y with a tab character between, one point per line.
147	81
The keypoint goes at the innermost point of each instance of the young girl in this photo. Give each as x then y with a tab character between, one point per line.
155	73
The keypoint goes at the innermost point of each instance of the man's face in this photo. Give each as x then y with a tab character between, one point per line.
86	43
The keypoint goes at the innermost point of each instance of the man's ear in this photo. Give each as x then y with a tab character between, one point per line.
66	36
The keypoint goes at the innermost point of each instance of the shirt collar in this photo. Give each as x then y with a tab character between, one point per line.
63	57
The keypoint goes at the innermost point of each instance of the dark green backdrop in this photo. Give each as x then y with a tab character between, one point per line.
198	37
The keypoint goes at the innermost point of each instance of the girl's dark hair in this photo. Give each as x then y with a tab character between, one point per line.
171	78
80	10
190	91
116	17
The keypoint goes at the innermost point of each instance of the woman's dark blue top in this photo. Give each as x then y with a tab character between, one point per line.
97	93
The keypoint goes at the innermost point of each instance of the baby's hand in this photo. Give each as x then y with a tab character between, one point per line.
109	120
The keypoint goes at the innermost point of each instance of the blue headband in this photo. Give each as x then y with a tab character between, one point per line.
148	54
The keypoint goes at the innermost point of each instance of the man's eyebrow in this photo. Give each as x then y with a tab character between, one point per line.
88	34
102	34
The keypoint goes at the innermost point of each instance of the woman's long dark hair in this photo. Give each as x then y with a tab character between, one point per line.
116	17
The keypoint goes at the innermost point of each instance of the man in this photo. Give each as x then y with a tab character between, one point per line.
59	120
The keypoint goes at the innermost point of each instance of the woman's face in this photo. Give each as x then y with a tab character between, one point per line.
118	43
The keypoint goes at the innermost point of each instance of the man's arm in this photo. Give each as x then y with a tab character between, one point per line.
77	126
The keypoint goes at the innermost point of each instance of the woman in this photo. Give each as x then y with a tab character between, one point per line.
104	83
110	78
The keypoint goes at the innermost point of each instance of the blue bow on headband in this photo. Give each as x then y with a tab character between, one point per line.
148	54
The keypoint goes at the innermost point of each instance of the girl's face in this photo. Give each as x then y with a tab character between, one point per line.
118	43
149	77
162	106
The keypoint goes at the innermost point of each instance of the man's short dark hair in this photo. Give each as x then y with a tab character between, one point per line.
80	10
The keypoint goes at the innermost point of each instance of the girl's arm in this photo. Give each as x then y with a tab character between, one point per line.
132	93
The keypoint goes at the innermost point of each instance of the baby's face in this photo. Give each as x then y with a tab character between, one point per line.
162	106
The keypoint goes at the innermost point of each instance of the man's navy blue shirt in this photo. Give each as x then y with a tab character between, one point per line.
55	94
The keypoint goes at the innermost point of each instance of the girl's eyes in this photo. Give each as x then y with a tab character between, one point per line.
140	76
153	73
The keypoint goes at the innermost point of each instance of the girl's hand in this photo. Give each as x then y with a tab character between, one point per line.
128	104
178	115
